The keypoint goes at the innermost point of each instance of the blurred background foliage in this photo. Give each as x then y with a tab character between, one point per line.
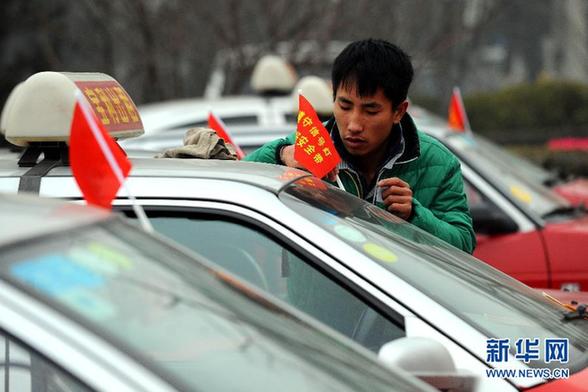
521	64
544	106
526	116
525	113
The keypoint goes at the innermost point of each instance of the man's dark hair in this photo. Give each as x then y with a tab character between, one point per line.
371	64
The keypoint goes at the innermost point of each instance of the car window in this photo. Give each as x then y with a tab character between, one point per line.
484	211
186	322
517	163
506	176
292	118
23	370
228	120
267	262
240	120
475	197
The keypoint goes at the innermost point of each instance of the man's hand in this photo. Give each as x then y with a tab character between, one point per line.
287	157
397	196
332	175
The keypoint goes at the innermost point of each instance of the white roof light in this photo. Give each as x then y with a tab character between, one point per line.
273	74
42	107
7	105
318	93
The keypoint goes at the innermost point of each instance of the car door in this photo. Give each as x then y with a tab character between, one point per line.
235	239
273	258
506	238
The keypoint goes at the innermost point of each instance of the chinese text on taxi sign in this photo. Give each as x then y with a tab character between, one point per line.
98	164
314	148
111	104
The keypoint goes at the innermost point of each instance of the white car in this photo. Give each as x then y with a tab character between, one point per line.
251	120
358	269
89	302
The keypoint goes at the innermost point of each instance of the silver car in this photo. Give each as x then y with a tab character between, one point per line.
88	302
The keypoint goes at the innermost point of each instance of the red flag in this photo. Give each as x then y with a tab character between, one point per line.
98	164
314	148
458	119
220	128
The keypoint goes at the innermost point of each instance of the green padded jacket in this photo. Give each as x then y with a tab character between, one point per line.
439	203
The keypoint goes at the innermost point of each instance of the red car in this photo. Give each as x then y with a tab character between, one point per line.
524	228
575	191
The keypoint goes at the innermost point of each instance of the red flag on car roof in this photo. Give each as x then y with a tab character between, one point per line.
98	164
220	128
314	148
458	119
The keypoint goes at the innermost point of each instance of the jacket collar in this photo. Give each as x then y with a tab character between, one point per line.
407	143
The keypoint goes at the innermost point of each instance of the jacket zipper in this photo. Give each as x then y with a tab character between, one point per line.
395	159
357	184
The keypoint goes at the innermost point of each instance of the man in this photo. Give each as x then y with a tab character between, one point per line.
385	159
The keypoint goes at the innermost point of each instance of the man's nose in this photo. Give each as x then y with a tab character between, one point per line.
355	123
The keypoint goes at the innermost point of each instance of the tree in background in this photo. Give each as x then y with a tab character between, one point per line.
163	49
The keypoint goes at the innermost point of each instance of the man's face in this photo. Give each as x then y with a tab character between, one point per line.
365	123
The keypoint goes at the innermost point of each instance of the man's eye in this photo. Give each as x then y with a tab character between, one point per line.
372	112
345	107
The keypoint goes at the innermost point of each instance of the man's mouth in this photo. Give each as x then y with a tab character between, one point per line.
354	142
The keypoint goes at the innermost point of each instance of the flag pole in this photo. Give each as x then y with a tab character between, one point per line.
340	183
138	209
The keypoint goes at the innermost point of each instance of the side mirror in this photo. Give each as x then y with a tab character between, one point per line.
428	360
491	220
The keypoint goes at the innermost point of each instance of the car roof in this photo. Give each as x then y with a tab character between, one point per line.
245	136
266	176
22	213
225	103
167	122
429	123
168	114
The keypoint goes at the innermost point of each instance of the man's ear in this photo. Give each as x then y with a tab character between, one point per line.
400	110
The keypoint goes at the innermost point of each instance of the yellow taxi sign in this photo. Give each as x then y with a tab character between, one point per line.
43	108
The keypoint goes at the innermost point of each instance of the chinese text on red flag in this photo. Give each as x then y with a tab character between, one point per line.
314	148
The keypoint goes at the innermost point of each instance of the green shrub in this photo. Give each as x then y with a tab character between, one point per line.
545	108
568	163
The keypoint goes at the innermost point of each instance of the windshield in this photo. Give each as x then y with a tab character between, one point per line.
198	328
522	166
490	301
507	175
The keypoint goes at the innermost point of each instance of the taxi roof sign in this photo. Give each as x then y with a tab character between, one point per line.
42	108
273	74
317	91
6	109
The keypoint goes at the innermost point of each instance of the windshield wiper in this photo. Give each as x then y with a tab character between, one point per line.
579	313
563	210
553	179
